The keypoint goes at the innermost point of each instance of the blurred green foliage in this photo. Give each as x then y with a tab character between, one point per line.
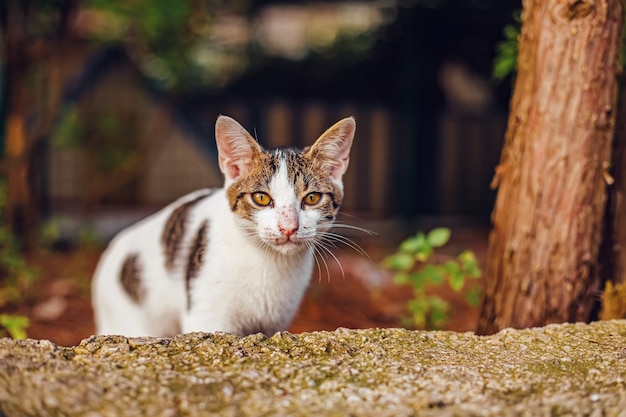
413	264
17	277
505	62
170	40
13	326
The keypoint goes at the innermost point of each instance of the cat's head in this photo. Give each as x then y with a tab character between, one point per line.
284	198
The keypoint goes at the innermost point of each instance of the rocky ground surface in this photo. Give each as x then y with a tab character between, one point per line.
571	369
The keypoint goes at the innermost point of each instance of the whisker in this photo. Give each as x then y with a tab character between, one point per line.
322	245
329	242
311	247
346	241
321	255
349	226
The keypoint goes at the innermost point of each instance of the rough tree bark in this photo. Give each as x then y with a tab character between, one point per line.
547	222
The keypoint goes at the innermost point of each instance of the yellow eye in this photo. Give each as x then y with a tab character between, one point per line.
312	199
262	199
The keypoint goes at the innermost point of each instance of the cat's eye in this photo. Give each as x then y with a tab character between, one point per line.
262	199
312	199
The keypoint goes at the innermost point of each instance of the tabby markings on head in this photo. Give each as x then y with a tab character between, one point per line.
174	230
196	257
302	171
130	278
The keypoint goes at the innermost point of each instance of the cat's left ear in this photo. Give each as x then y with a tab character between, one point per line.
332	149
235	146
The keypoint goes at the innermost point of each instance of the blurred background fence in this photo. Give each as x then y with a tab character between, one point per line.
133	93
181	159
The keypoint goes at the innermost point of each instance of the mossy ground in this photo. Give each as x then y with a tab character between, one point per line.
572	369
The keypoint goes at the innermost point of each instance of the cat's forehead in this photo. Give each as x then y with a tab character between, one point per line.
286	154
291	159
300	169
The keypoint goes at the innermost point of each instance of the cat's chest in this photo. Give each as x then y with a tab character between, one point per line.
255	279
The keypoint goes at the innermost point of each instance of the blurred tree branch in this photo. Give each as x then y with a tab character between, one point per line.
33	32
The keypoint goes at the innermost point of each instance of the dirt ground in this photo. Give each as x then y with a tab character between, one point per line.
362	296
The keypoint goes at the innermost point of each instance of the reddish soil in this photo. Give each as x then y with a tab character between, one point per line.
362	297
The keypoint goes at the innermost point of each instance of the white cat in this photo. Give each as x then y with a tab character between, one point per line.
236	259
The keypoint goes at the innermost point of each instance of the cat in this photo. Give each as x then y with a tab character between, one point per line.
236	259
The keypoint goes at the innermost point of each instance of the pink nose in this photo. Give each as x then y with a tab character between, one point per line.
288	221
288	231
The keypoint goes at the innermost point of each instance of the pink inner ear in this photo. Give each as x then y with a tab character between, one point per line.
332	149
340	168
229	168
235	146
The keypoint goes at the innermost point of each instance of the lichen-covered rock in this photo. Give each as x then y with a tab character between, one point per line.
572	369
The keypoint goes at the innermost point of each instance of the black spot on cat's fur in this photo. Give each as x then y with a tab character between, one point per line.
130	278
174	230
237	200
196	258
334	201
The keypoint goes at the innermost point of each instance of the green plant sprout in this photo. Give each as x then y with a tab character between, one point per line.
13	326
413	265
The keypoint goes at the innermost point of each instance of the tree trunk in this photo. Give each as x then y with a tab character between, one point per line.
613	255
552	177
29	101
19	207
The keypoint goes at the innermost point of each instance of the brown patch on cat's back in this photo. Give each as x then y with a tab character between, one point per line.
174	230
130	278
260	171
196	258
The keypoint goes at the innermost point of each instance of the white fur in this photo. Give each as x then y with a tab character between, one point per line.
241	288
254	273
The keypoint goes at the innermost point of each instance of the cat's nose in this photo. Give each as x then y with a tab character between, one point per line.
288	231
288	221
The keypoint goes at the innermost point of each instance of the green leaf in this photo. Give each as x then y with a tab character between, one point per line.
469	264
418	279
438	237
439	304
439	309
15	325
502	67
413	244
424	254
399	261
434	274
456	278
505	62
401	278
451	267
474	296
456	281
419	309
467	257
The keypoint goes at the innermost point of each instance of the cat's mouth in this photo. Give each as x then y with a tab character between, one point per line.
289	245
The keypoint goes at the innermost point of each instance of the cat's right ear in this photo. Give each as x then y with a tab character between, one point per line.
235	146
